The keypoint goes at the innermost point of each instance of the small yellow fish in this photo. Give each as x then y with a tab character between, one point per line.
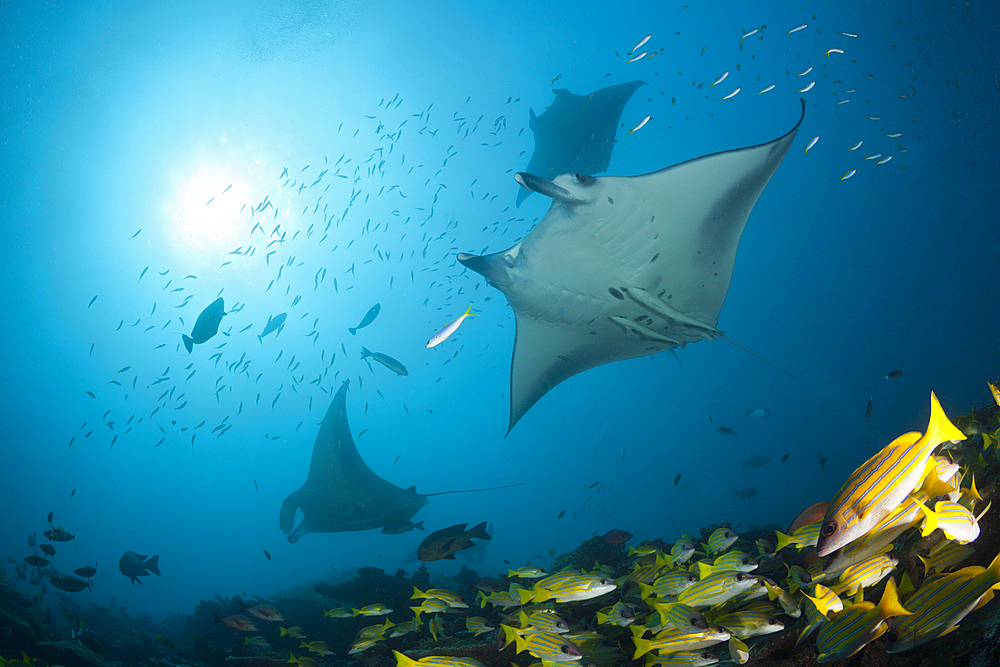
722	77
844	178
801	26
767	89
829	51
808	87
812	142
731	95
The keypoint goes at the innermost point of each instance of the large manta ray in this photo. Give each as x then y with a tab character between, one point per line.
577	132
625	267
341	492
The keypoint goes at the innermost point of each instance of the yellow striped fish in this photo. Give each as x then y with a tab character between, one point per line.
548	646
881	483
941	603
450	598
680	616
682	659
670	583
792	604
477	625
733	560
865	574
621	614
541	621
806	536
528	572
720	540
850	630
435	661
567	587
750	621
498	599
717	588
682	551
670	640
955	521
945	554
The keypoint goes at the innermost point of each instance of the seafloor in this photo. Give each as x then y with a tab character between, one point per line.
67	633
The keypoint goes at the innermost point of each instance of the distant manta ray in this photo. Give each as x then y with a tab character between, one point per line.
341	492
576	134
625	267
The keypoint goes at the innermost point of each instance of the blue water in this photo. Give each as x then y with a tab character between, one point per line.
118	117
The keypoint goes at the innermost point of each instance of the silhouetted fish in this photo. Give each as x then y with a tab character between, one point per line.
207	324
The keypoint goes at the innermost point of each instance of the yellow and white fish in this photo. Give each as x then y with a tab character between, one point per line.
449	329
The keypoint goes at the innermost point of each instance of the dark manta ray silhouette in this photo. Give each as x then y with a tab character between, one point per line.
341	492
625	267
577	132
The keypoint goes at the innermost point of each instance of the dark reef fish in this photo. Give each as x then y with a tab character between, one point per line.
206	326
444	543
133	566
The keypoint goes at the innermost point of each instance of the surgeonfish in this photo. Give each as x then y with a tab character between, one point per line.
449	329
881	483
206	326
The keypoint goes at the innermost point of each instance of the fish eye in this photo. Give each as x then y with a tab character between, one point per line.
892	636
564	648
829	528
740	577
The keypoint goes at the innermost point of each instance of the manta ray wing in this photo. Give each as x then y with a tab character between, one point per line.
625	267
341	492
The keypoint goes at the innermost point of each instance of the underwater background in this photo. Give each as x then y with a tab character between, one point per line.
137	136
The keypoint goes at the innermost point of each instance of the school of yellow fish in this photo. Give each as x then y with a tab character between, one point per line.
672	605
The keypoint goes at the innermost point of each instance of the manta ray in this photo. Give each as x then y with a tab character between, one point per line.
341	492
624	267
577	132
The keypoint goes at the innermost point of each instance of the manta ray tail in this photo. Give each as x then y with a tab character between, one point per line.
759	357
492	488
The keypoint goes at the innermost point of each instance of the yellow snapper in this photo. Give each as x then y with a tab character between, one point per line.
881	483
435	661
477	625
377	609
682	659
567	587
806	536
941	603
717	588
450	598
548	646
621	614
527	572
865	574
721	539
945	554
338	612
955	521
850	630
670	640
